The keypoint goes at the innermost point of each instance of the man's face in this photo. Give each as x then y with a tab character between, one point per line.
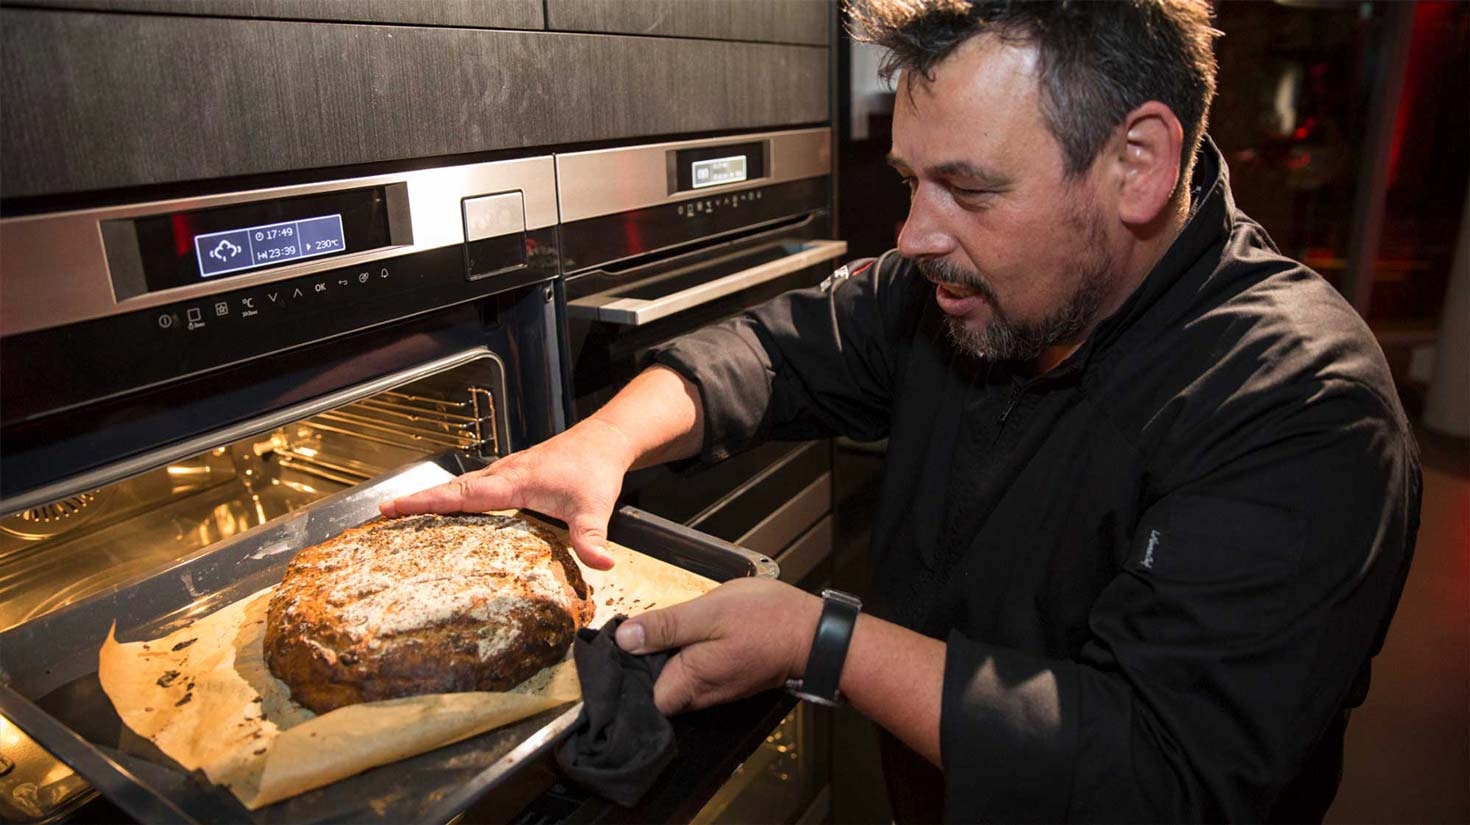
1018	252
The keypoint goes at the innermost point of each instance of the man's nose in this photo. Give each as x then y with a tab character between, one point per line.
923	234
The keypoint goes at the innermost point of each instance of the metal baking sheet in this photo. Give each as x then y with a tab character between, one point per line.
49	686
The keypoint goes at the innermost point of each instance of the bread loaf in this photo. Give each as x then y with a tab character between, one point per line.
423	604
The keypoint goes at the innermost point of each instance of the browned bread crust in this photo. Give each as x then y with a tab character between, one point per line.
423	604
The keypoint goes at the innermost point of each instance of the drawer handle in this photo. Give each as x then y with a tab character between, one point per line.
634	312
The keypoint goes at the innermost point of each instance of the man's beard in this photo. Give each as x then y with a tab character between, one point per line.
1002	339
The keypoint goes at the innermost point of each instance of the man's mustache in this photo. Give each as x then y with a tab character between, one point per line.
943	272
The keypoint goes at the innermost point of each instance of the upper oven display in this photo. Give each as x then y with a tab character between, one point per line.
703	166
234	250
189	247
716	171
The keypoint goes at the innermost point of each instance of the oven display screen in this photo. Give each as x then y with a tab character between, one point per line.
236	250
692	169
198	246
716	171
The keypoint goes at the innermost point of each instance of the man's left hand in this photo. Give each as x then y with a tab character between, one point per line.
743	637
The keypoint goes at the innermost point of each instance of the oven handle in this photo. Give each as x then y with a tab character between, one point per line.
635	312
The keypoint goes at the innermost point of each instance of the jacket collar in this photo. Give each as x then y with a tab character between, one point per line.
1212	214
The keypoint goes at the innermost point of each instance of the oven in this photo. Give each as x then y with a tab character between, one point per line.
658	240
196	387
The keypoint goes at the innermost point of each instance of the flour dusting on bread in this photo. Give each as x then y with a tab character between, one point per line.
424	604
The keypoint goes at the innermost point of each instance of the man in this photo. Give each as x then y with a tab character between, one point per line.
1149	498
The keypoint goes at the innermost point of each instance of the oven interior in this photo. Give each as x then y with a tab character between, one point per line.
54	554
92	541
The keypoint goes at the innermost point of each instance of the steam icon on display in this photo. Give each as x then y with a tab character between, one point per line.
224	251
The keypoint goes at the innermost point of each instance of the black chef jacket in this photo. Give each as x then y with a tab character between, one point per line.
1161	567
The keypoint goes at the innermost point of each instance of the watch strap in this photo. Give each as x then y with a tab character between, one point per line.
829	647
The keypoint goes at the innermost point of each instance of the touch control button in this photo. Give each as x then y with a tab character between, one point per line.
492	216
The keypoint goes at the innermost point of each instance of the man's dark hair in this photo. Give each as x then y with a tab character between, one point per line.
1097	60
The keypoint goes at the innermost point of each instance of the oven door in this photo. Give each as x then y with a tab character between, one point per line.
687	287
616	314
610	330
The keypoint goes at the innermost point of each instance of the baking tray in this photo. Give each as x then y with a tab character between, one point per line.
49	686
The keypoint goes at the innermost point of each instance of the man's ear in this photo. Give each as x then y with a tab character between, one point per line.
1151	140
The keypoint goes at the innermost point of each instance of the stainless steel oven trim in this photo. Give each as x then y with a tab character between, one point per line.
608	181
54	268
193	446
697	249
639	311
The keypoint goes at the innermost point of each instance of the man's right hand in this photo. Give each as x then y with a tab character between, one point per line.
575	476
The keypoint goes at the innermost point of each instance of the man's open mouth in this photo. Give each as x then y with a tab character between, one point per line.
956	291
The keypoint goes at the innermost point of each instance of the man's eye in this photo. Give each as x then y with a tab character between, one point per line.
910	184
971	197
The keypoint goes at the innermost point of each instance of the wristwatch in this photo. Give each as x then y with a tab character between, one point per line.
829	649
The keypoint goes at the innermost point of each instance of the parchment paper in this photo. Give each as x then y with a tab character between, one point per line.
204	695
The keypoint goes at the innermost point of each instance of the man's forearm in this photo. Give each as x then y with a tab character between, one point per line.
660	415
895	677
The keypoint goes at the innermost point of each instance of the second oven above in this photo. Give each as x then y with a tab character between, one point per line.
625	206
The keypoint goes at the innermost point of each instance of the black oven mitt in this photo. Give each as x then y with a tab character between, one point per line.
620	743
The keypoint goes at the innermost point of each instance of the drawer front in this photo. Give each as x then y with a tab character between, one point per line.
783	526
807	562
756	507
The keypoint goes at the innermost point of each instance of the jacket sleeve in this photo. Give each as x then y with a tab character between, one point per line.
811	363
1250	600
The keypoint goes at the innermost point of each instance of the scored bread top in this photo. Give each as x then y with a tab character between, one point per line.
424	603
417	572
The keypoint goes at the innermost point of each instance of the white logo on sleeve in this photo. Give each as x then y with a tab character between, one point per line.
837	277
1148	552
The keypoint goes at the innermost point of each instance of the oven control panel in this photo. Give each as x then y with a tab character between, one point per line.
201	260
119	353
277	302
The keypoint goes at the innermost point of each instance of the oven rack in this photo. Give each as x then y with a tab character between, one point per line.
341	445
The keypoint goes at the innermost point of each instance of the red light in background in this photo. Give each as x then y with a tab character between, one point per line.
1432	21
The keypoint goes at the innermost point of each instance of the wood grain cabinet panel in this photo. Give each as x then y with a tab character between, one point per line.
768	21
97	101
501	14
